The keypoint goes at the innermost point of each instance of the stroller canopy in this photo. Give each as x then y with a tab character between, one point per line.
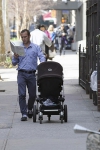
49	69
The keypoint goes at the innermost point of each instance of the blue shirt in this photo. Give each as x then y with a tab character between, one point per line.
29	61
52	35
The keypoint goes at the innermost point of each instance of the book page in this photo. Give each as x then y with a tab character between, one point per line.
17	43
17	48
12	47
20	50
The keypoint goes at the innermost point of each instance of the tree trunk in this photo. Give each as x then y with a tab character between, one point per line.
17	20
2	45
24	26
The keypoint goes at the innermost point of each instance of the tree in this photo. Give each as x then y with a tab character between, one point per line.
2	45
24	11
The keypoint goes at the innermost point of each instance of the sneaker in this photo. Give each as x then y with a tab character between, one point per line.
30	114
24	118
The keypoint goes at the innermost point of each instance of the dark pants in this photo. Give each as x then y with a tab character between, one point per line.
61	46
47	52
26	80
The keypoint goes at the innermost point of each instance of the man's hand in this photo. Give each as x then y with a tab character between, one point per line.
16	55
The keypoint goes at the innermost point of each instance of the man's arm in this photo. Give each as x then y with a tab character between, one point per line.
15	59
40	54
59	33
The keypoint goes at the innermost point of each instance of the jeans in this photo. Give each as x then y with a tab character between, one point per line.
26	80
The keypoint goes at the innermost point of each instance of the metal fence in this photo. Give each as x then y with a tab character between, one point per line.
89	60
82	67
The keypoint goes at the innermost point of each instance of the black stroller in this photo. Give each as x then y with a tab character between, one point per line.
50	92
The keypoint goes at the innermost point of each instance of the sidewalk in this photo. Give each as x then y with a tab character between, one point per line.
17	135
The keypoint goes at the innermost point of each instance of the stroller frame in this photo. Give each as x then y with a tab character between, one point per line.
42	91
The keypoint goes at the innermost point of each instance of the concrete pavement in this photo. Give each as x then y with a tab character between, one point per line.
17	135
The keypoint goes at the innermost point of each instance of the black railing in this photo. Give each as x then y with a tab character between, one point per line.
89	59
82	67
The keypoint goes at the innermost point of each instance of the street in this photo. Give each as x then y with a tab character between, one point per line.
17	135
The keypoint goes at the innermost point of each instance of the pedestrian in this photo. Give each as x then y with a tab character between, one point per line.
27	66
40	38
52	33
62	38
43	28
52	52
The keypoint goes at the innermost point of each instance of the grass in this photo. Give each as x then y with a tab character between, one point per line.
15	39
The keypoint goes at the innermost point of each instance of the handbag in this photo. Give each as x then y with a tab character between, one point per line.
52	54
52	47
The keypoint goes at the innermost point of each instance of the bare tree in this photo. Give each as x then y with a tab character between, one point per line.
25	10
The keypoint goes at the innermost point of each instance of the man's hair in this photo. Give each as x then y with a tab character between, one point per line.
42	26
25	30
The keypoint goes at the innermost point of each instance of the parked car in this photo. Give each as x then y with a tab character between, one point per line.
31	27
13	33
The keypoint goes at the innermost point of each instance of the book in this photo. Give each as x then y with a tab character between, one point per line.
16	47
79	129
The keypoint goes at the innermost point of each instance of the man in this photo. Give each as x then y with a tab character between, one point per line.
43	28
40	38
27	66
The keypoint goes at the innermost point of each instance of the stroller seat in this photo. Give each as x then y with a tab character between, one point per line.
50	86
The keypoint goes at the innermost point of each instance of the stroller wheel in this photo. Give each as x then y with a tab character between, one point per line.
34	113
65	113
